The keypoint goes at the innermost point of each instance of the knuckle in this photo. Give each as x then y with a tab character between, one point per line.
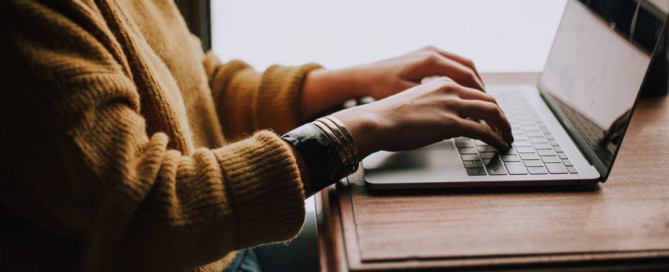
469	62
471	76
429	48
499	112
448	86
444	81
431	58
494	110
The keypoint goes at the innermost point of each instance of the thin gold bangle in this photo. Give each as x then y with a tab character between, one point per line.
354	147
345	141
333	138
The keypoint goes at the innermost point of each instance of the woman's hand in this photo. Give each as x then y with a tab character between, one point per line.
385	78
324	89
426	114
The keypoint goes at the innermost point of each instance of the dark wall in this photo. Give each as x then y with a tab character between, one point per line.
198	18
643	25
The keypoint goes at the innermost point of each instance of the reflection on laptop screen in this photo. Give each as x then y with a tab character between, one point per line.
596	68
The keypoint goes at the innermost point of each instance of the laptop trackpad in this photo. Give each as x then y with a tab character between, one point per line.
395	166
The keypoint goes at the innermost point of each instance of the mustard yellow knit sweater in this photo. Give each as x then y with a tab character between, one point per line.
113	138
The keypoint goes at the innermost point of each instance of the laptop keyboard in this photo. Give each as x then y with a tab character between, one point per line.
534	151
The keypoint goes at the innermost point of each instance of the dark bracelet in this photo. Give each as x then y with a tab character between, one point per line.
327	149
319	154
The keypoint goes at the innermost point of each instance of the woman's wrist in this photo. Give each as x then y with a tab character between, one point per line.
326	150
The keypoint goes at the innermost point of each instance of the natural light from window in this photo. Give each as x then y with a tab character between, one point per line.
500	36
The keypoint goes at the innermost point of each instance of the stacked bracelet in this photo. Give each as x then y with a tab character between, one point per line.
328	150
346	148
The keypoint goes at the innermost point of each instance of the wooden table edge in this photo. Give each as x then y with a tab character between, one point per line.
339	250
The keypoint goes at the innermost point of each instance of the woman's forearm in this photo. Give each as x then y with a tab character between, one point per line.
325	89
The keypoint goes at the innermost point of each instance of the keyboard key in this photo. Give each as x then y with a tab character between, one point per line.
532	134
551	159
478	164
488	155
543	146
518	134
495	167
486	148
558	149
479	142
510	158
567	162
464	143
533	163
538	140
476	172
520	138
525	149
519	143
468	151
562	155
537	170
553	142
470	157
545	152
556	168
529	156
531	128
468	164
549	136
572	170
516	168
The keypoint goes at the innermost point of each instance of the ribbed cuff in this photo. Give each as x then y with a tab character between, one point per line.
264	186
278	104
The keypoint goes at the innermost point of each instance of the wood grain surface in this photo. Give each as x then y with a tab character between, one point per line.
624	221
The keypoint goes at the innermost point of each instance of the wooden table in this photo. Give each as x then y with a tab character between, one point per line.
623	223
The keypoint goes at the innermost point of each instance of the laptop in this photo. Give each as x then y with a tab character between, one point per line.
567	129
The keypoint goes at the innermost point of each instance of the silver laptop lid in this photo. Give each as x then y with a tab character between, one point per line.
595	70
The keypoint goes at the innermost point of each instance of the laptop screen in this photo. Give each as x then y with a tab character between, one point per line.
595	70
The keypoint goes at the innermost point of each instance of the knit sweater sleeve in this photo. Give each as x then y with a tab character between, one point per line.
247	100
83	166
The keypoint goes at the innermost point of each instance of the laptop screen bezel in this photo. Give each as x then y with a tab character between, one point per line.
603	169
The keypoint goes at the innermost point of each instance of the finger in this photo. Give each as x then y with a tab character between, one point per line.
489	112
433	78
456	71
462	60
482	132
469	93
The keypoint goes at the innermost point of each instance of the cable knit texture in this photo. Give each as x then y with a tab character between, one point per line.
114	127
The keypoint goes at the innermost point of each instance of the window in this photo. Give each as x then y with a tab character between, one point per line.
500	36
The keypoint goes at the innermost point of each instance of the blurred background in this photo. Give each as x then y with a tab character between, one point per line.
500	36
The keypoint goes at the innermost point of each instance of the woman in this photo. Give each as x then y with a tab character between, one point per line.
128	148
